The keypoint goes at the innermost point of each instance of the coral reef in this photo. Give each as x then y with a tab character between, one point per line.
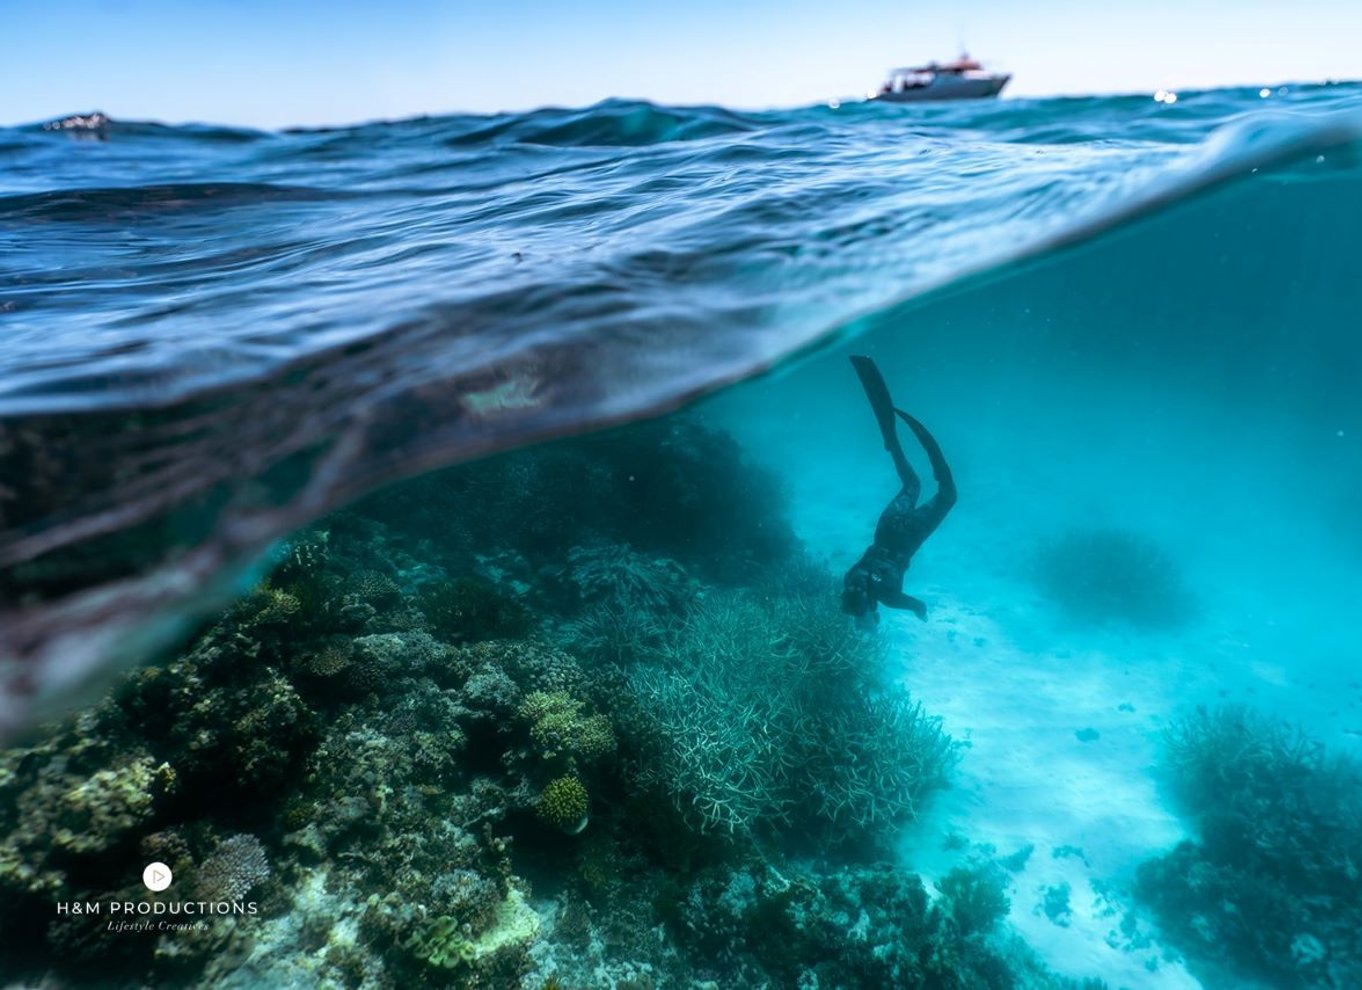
615	576
564	804
852	927
468	609
235	867
1271	888
100	810
672	489
392	746
975	897
1111	575
561	729
764	714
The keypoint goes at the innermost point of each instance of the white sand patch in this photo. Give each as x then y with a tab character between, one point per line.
1089	810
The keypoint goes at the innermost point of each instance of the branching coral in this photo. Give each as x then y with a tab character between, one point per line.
618	577
1104	575
873	763
465	609
975	897
610	635
1278	864
767	712
707	754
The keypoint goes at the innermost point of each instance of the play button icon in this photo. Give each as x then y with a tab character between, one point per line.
156	876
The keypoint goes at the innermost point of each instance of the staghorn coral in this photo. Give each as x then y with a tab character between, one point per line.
764	713
704	751
1111	575
1272	887
609	635
616	576
872	760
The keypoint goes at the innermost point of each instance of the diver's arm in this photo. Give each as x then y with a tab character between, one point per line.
898	599
945	496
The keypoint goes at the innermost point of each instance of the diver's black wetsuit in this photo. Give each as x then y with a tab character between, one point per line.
877	578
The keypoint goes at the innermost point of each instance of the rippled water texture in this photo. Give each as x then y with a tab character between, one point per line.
211	336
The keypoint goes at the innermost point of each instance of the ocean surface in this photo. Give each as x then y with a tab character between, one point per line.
1134	326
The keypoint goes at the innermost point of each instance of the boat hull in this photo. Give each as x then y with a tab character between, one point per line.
945	88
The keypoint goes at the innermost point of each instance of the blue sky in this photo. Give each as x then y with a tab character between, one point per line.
274	64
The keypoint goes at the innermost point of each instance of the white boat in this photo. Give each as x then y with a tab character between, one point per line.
963	79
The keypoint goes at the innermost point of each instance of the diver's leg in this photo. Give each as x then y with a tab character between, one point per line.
929	516
883	406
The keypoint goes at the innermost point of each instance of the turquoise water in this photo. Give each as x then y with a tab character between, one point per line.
1132	326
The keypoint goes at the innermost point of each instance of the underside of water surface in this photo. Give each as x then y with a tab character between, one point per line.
492	635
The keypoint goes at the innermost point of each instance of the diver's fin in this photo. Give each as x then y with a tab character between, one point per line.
939	468
878	394
941	471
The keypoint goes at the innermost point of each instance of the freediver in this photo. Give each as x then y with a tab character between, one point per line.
877	578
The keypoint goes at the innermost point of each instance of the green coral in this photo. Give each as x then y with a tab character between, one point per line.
564	804
447	943
559	727
277	607
374	587
100	810
443	943
466	609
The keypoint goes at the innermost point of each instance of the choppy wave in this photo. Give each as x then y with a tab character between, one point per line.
213	335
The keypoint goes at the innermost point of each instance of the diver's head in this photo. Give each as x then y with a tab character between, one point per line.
858	599
855	601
